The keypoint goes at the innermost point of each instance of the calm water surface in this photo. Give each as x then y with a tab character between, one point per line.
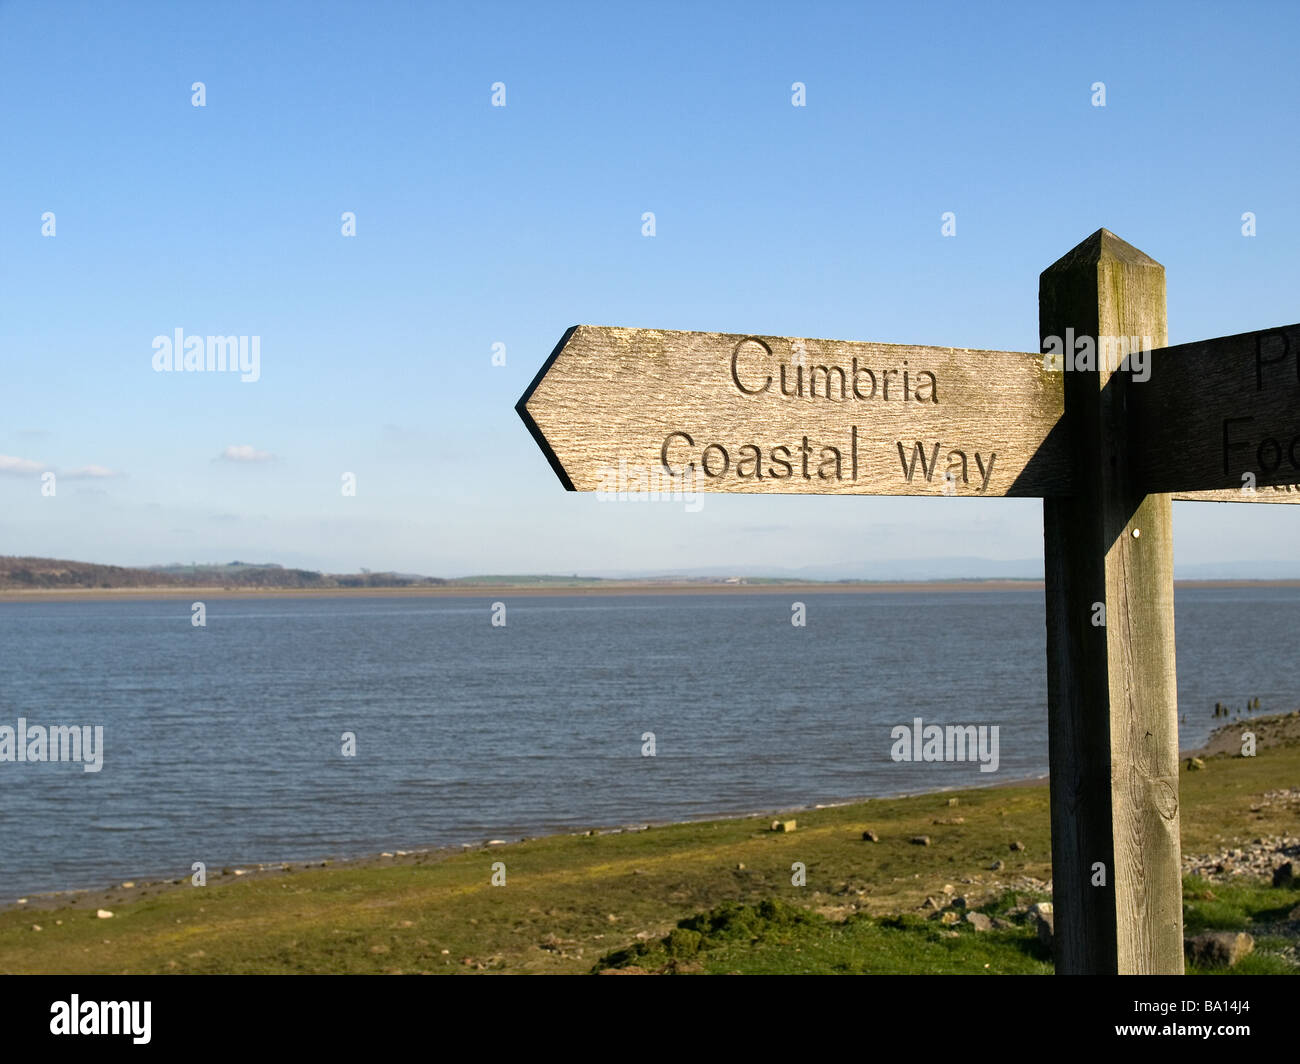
223	744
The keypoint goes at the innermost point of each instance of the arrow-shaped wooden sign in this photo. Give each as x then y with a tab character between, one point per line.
791	415
1223	414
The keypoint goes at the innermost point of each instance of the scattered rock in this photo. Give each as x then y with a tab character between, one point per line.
958	902
1001	924
1195	764
870	836
997	866
932	903
949	918
1219	949
979	921
740	867
949	820
1260	858
1017	845
1046	925
36	927
1285	875
952	801
783	825
128	884
103	914
920	840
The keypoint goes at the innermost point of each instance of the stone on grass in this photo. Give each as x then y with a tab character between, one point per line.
1045	920
1219	949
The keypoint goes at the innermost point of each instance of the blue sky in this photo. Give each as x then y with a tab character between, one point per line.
478	225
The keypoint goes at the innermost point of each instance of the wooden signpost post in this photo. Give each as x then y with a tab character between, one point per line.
1107	426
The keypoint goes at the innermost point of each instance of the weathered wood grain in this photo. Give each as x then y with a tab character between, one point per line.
796	415
1112	692
1223	414
1277	493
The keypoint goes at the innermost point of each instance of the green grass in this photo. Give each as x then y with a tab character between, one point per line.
571	900
1253	906
775	937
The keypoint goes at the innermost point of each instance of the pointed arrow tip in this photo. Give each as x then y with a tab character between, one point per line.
521	408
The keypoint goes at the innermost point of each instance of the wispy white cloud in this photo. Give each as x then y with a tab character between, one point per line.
244	452
20	467
90	472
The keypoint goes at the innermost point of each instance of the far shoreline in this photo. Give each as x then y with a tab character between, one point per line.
79	594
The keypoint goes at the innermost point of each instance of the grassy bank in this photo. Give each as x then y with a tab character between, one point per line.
569	901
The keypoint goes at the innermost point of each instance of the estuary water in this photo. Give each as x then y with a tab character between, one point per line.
226	743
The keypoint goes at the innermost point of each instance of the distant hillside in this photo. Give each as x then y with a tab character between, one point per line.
19	573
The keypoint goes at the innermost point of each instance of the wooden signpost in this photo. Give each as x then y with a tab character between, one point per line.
1108	425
